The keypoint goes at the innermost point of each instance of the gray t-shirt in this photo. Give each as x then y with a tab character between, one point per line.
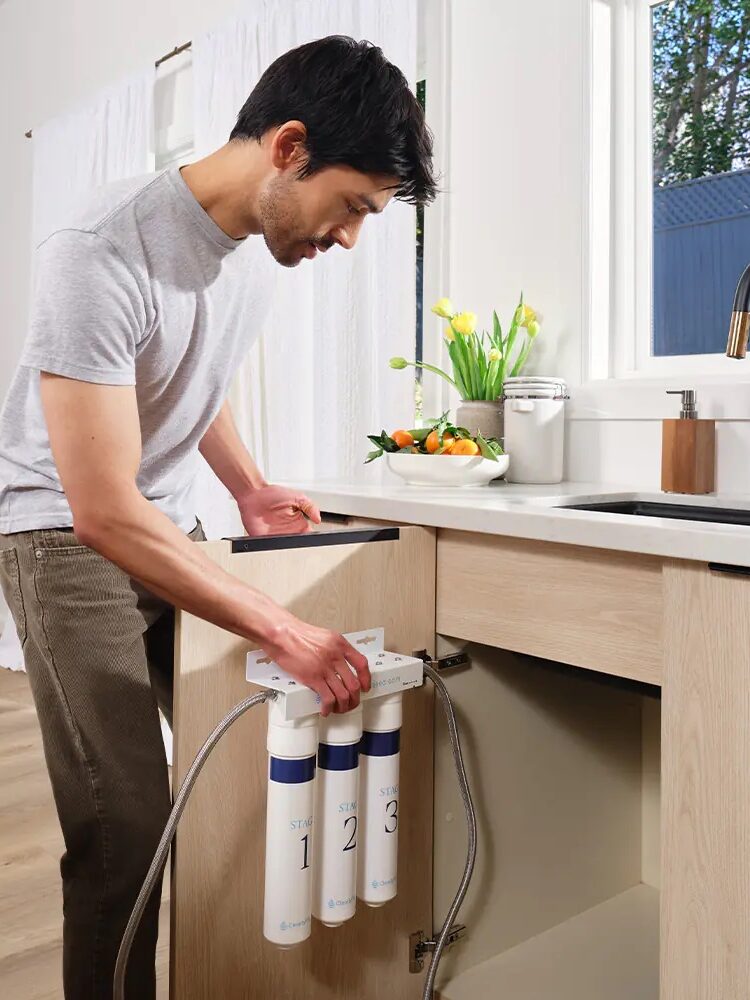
144	289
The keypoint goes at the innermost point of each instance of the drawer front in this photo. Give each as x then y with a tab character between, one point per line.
592	608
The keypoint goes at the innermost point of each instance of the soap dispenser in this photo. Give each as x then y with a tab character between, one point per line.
687	449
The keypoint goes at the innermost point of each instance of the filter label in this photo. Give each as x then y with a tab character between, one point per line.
301	824
334	903
291	925
382	883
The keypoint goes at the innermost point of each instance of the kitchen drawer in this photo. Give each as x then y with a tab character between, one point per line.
588	607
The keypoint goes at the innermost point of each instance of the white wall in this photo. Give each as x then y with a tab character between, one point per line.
517	216
516	167
53	55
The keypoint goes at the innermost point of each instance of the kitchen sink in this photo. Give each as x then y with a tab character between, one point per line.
675	511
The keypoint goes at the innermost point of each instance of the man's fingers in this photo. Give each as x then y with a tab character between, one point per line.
359	662
351	682
340	692
307	507
327	698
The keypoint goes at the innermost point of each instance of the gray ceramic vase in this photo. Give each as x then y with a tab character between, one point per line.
483	415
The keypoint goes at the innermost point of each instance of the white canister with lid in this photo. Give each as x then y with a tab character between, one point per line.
534	413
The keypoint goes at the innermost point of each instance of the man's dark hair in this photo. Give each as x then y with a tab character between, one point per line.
357	109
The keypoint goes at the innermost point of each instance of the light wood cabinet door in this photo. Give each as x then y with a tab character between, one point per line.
218	949
705	901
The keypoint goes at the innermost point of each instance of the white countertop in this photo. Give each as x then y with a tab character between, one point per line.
531	512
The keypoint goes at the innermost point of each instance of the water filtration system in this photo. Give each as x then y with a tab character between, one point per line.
332	815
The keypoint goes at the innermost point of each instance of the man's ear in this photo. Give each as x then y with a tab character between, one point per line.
288	149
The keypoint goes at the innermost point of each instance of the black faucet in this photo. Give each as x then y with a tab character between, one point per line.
739	326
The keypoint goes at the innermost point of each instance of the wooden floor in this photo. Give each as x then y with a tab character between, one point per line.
30	849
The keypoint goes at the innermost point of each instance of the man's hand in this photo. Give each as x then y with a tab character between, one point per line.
275	510
320	659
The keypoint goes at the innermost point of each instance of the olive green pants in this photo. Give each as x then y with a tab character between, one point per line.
98	650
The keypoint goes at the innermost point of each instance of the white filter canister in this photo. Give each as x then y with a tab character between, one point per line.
336	818
379	766
292	748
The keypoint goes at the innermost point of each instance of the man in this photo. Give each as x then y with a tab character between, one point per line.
144	306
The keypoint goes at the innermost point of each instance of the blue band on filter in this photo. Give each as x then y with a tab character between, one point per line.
380	744
292	772
338	758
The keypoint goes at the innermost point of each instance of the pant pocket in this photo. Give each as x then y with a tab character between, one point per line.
10	579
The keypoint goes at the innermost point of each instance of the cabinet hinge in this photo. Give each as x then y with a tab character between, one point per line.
442	663
419	946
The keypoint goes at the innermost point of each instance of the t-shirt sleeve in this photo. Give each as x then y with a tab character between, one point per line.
88	313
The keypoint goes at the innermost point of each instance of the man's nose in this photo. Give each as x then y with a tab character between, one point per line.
346	236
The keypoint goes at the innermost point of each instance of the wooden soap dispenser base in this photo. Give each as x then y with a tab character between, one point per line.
688	449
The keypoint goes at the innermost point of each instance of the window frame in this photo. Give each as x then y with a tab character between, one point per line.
434	67
621	378
173	136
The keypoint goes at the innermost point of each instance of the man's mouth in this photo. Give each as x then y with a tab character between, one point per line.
315	247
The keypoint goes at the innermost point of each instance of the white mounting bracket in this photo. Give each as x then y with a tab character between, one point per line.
391	672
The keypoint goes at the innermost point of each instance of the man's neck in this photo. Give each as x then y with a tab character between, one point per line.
225	184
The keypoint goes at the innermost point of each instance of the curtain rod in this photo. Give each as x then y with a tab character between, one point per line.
170	55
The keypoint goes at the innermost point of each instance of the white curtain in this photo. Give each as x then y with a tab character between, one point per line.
317	380
106	139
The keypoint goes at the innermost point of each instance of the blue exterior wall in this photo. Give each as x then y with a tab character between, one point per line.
701	247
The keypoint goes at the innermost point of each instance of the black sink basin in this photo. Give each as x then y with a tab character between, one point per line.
676	511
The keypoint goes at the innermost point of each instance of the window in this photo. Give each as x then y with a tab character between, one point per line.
670	183
701	170
173	112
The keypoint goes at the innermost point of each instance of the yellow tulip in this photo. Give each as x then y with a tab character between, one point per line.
443	308
465	323
494	355
532	328
449	334
525	315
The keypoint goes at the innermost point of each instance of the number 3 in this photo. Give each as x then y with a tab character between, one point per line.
392	815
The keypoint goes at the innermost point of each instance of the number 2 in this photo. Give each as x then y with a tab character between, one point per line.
353	839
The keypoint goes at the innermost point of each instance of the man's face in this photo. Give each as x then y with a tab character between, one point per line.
300	218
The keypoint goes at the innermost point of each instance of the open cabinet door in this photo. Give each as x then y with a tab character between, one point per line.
217	945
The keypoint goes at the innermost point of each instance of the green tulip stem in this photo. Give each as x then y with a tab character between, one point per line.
432	368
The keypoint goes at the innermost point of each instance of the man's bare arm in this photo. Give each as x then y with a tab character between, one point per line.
264	508
223	449
95	437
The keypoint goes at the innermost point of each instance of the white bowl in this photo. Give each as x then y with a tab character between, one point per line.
447	470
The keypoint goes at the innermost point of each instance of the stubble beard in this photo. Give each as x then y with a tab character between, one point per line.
279	211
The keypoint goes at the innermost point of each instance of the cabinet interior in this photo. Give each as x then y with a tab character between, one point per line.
565	770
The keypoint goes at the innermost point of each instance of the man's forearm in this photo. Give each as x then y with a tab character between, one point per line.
133	533
223	449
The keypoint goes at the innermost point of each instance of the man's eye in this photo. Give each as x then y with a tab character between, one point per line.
352	209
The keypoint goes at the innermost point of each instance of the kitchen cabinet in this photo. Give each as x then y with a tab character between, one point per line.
605	717
218	949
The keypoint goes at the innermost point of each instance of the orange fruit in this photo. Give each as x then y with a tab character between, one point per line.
433	443
465	446
403	439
